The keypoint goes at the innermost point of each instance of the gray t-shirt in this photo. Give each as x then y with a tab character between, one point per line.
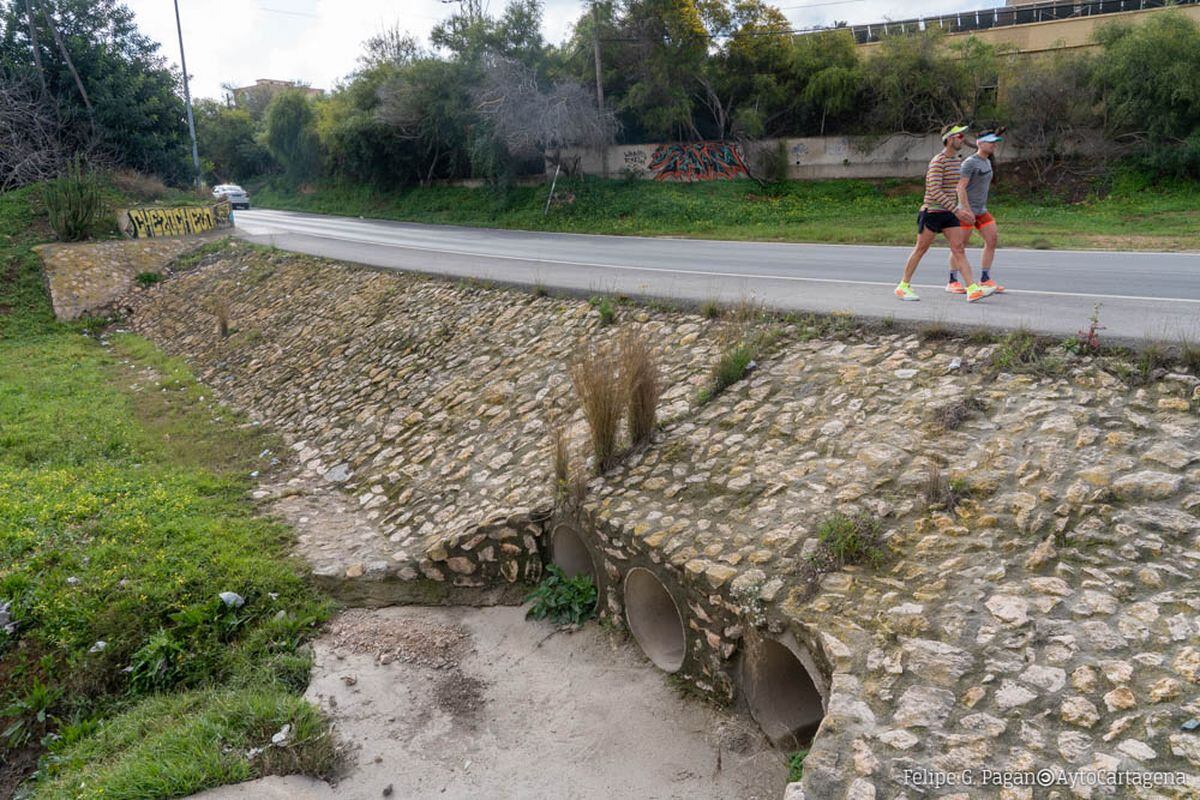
978	172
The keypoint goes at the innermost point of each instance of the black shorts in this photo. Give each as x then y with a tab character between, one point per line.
936	221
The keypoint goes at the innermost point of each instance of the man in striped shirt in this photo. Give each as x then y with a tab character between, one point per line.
941	213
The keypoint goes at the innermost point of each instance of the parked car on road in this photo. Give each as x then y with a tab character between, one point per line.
234	194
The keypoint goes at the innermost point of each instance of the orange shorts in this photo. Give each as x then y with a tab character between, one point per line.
981	221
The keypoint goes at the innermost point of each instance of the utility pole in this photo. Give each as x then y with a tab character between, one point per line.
596	49
187	97
599	79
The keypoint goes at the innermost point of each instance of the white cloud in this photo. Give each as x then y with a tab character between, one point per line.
319	41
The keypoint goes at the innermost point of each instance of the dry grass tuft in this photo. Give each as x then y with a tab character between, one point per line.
596	375
138	185
642	386
219	307
951	416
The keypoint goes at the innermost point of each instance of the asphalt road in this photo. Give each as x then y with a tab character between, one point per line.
1143	295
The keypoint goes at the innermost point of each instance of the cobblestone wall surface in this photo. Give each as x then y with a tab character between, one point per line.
1051	619
88	278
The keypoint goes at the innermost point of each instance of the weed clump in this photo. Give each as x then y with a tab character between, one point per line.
944	493
74	203
605	308
744	339
848	540
563	600
1022	352
596	375
147	279
951	416
935	332
642	386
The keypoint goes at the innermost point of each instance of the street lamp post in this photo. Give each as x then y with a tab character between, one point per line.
187	97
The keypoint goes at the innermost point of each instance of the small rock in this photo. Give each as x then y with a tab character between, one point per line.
1079	711
1009	609
232	599
282	735
1119	699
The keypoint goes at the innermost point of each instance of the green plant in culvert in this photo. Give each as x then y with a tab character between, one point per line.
796	765
563	600
74	203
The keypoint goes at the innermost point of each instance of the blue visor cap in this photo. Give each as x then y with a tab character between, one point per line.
990	137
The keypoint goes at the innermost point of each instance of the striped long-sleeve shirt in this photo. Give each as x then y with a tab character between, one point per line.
941	182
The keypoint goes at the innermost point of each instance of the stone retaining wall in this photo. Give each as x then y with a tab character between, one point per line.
1048	619
89	278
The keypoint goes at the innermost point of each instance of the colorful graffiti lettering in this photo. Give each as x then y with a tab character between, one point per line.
697	161
145	223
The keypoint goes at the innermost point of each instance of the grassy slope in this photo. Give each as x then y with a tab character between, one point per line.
123	514
845	211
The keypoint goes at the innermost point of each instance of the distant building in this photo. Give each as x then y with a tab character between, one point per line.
258	95
1029	26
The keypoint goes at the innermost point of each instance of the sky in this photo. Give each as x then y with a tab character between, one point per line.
319	41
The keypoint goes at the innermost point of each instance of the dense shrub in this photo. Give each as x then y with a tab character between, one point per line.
74	203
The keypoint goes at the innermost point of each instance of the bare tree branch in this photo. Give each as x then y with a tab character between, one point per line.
32	143
532	121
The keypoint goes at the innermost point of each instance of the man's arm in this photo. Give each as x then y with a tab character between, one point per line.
964	205
934	181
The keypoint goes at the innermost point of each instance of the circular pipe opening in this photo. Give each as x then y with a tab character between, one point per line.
569	553
654	619
781	692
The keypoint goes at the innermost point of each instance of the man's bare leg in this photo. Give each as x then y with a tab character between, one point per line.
991	237
924	240
958	253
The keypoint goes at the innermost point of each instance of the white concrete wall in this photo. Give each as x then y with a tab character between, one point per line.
816	157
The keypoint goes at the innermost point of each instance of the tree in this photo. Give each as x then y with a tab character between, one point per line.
742	84
824	80
916	85
529	121
290	135
390	46
1049	100
428	103
109	84
1149	77
227	143
32	144
357	144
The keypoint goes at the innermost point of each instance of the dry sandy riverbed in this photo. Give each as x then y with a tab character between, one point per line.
477	702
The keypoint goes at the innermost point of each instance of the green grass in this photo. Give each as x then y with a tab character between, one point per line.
123	515
844	211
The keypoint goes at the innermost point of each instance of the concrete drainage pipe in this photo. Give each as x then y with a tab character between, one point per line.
654	619
785	691
570	554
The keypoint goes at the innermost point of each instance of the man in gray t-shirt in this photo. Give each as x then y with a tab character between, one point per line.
974	183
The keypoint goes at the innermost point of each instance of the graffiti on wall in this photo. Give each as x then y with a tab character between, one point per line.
634	159
697	161
146	223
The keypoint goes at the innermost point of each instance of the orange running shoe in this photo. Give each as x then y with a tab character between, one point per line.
989	283
955	287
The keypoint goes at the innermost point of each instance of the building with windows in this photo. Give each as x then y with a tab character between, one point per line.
1030	26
